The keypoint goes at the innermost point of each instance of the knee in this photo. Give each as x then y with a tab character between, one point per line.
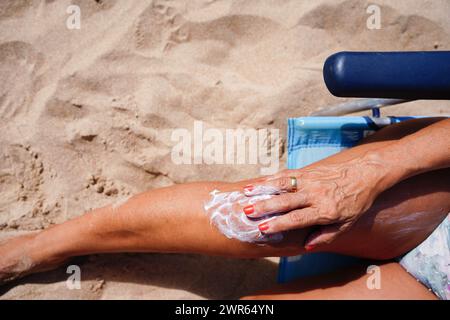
402	129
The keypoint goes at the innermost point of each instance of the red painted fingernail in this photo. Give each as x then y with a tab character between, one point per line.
249	188
263	227
309	247
249	209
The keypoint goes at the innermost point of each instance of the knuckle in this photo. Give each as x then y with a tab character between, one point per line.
284	204
284	182
302	197
330	210
296	217
326	216
262	206
329	217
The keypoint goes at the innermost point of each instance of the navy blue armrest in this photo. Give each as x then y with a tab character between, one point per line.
396	75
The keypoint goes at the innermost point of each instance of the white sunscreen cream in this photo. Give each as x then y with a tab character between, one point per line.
225	210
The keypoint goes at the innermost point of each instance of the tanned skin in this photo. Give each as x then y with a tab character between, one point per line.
173	220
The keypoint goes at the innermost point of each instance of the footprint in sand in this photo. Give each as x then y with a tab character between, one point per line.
13	8
399	32
160	27
21	177
19	64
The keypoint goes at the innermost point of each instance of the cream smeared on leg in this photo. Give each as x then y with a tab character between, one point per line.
226	214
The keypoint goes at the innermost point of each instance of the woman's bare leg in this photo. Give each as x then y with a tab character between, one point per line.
173	220
351	284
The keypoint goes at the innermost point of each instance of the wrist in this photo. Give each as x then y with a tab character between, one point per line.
385	170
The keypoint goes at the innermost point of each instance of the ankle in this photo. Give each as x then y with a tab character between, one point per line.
45	248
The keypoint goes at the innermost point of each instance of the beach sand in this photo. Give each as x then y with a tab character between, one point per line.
86	114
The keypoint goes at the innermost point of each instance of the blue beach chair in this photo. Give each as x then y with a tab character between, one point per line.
386	79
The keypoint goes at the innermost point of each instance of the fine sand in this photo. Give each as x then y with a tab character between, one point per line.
86	115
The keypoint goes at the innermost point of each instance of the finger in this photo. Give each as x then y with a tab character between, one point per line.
293	220
281	203
275	186
325	235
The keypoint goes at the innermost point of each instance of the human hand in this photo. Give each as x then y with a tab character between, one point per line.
332	196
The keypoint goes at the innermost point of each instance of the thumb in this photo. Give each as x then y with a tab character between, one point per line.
323	235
